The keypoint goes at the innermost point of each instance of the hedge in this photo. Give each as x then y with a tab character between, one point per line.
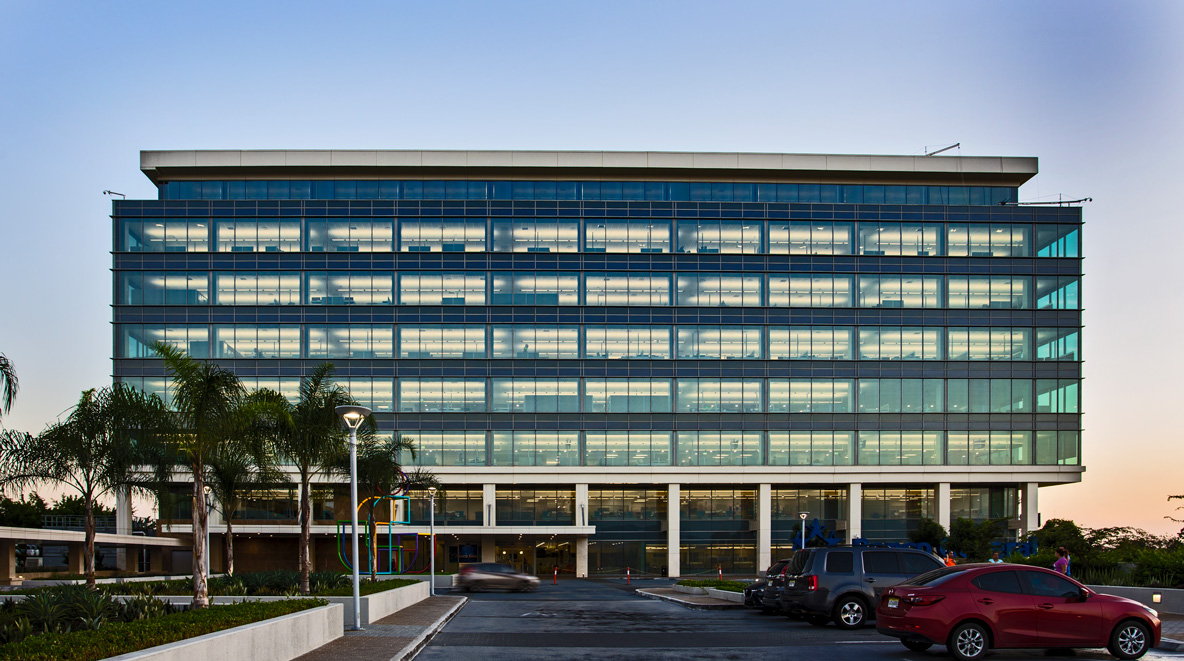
115	638
729	586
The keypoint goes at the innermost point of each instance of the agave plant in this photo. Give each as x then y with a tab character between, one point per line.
15	630
46	612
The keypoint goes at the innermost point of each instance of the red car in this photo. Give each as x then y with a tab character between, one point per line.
973	608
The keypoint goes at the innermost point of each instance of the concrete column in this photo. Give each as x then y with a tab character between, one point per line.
581	557
488	549
581	505
74	564
943	505
132	557
123	526
489	505
312	548
1030	512
8	563
764	527
854	511
673	530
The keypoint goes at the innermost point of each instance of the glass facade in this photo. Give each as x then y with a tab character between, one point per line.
608	329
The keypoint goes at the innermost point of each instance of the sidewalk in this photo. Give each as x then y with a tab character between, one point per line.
692	601
1172	636
395	637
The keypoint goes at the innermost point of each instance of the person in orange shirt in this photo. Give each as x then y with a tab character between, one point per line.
950	559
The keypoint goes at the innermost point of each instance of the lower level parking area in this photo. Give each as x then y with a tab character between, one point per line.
606	619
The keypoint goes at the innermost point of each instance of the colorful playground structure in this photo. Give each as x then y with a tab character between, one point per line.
389	548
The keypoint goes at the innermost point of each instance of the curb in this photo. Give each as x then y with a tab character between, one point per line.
419	642
690	604
1170	644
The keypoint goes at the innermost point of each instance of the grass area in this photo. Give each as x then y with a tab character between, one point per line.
115	638
257	584
729	586
369	587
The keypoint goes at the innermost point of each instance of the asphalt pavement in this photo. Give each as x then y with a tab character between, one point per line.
604	620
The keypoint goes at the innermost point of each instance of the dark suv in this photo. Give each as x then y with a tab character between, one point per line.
760	593
843	583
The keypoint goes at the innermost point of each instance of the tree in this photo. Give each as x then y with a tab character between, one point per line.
928	532
8	383
1060	532
203	421
23	513
380	474
310	436
94	452
974	539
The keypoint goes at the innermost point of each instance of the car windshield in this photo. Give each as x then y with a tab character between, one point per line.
935	577
777	567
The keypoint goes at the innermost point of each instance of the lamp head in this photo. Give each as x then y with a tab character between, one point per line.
432	491
352	415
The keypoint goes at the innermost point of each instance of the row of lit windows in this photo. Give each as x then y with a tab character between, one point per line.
774	448
1015	292
636	395
386	189
636	342
598	235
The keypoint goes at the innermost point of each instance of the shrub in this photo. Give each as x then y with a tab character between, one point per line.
122	637
730	586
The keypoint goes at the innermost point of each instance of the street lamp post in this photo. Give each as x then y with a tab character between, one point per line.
432	534
353	417
803	516
209	508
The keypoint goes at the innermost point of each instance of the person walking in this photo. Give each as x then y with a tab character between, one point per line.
1061	566
950	559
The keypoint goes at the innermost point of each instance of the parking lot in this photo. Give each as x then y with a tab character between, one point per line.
605	619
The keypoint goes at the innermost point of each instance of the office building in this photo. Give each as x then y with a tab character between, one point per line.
628	359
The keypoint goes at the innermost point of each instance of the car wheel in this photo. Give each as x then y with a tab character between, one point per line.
524	586
817	620
968	642
917	645
850	613
1130	640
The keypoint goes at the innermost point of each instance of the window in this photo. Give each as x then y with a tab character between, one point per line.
535	288
840	562
375	394
530	507
720	342
627	448
804	448
553	342
812	395
989	395
811	343
719	236
990	343
528	448
719	396
811	291
446	288
168	288
257	235
443	341
165	235
627	396
349	288
881	562
990	291
139	340
896	448
900	396
524	395
620	235
1057	293
447	449
1058	241
442	234
360	341
349	235
1057	396
900	343
899	239
1058	344
442	395
810	237
627	289
1044	584
915	563
536	235
989	240
895	291
719	449
262	341
617	342
726	290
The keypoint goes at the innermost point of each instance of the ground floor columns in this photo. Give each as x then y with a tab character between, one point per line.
489	505
1030	509
673	529
581	557
123	526
854	511
8	562
764	526
943	505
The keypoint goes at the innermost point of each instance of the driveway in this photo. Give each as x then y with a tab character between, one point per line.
603	620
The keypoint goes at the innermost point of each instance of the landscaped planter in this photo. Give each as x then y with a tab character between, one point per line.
726	595
688	590
278	639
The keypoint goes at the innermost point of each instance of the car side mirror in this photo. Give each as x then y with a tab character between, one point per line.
1084	594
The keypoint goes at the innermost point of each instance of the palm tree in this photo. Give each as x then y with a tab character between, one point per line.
379	474
8	383
94	451
204	421
312	440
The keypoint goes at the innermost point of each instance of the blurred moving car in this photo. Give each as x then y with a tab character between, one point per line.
843	583
485	575
973	608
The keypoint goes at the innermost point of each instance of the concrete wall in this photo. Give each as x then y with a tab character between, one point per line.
277	639
1171	601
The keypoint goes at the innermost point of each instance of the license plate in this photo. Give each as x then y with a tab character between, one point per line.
893	602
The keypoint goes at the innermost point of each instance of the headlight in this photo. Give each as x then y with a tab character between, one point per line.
1151	610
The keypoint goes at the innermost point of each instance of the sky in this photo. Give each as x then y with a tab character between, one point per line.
1095	90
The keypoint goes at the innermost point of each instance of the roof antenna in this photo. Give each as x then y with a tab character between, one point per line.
935	153
111	192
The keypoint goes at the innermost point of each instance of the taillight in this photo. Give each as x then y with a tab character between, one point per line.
811	582
924	600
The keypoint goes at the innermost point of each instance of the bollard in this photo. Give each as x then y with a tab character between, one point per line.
626	576
555	581
721	572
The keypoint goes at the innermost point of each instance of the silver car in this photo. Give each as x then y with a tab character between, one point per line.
485	575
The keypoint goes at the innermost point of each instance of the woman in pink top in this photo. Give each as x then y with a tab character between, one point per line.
1061	566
